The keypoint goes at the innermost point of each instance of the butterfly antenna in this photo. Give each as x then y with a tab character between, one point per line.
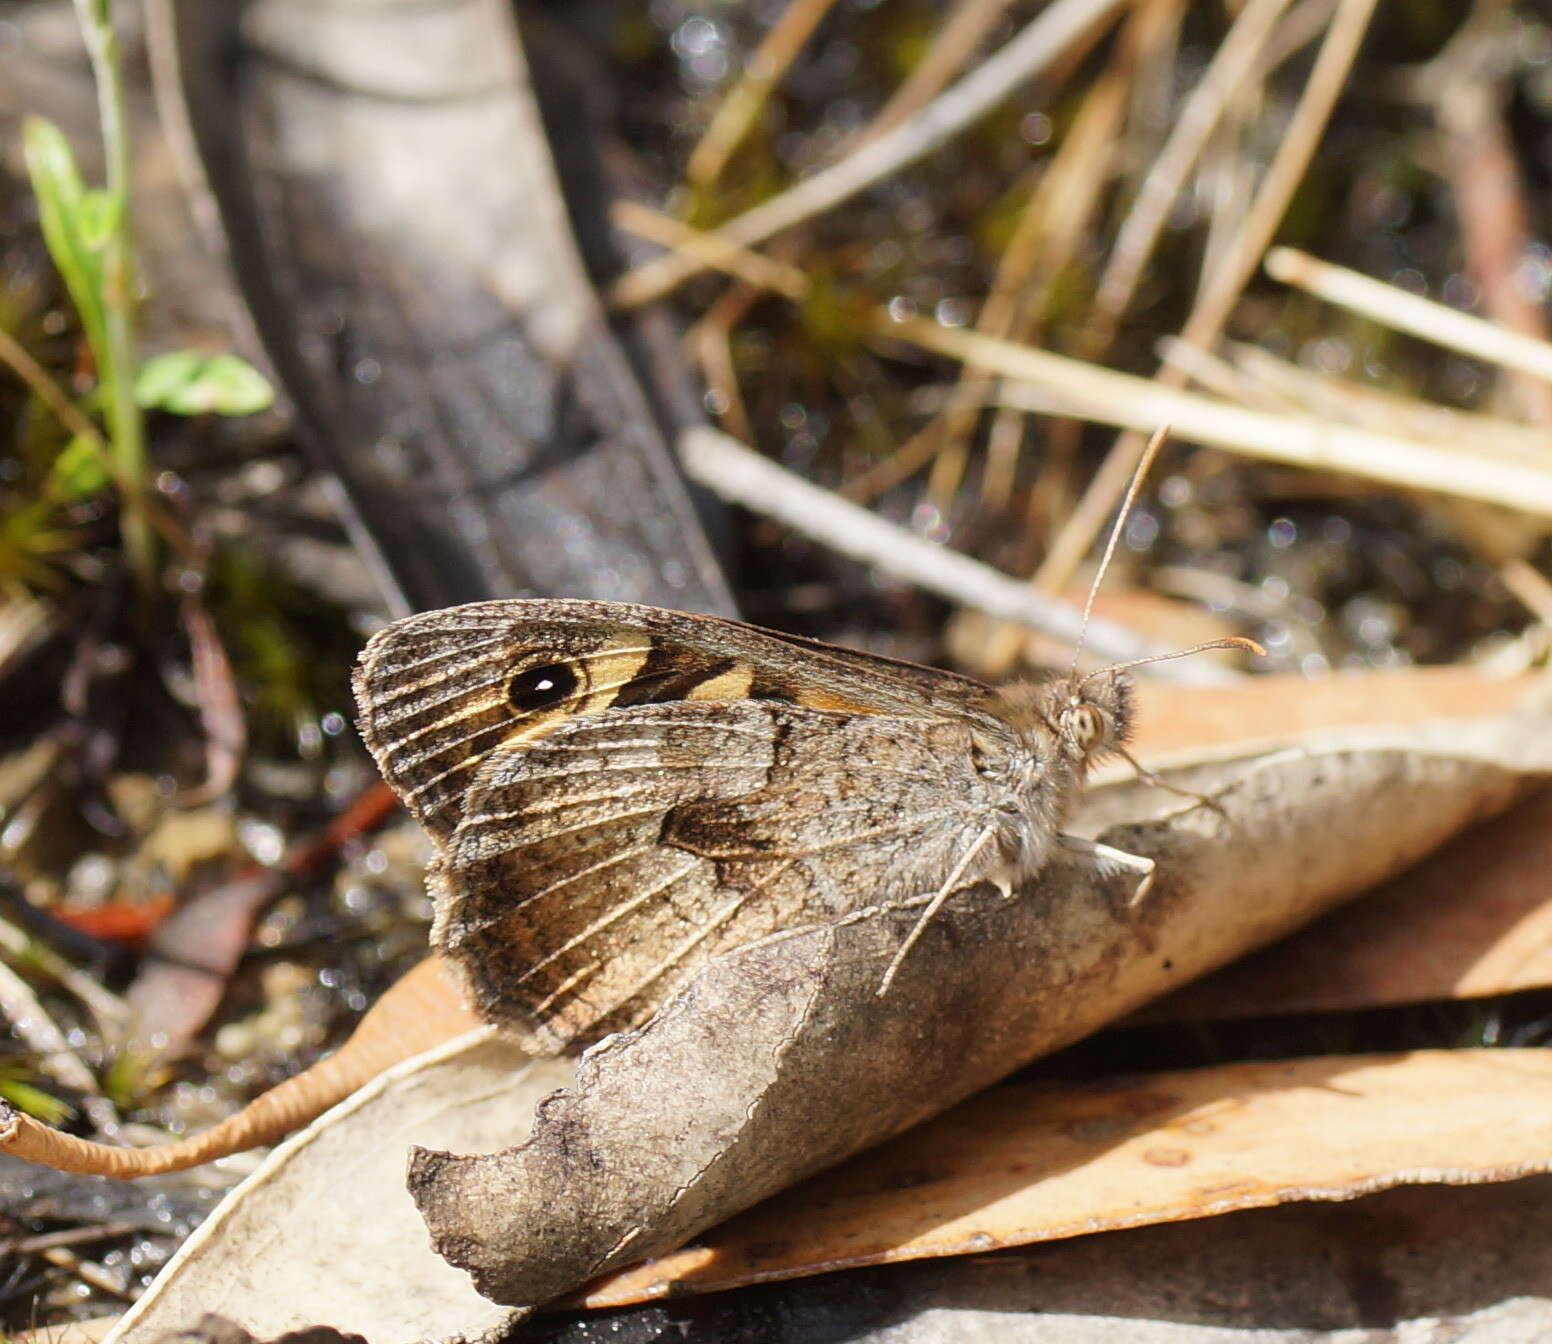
1227	642
1132	490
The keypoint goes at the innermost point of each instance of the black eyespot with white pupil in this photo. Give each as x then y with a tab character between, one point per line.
540	687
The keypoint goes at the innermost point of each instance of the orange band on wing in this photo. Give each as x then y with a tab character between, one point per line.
814	699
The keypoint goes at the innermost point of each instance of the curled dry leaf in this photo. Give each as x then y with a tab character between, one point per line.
1024	1162
798	1062
1473	919
327	1216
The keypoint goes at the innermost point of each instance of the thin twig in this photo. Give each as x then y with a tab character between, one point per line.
709	249
1231	65
952	46
739	474
67	1236
1411	313
1219	296
1227	178
1222	379
906	460
1335	398
1057	385
742	103
710	342
1307	21
48	391
1059	24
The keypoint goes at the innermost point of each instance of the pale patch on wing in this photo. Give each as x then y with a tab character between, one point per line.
733	684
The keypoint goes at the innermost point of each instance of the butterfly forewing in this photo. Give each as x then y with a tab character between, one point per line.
620	792
433	690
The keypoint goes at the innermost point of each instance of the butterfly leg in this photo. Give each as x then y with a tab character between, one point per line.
1147	776
1111	861
950	885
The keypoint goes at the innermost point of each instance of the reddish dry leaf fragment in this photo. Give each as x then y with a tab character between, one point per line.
1026	1162
194	951
129	922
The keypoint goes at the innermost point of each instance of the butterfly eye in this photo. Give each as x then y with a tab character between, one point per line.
539	687
1088	726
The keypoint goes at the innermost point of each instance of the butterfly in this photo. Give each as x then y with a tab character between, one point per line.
618	793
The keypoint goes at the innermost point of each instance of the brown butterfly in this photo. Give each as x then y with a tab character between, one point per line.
618	793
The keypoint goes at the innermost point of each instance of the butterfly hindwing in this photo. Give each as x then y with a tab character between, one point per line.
606	861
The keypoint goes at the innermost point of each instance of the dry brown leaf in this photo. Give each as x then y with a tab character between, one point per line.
324	1232
1174	718
795	1062
1473	919
1028	1162
1412	1265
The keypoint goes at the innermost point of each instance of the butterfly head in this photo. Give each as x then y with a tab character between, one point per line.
1092	715
1072	720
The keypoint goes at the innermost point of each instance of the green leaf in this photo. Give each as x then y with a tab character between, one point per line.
63	212
79	470
128	1079
51	163
162	377
186	382
37	1103
99	214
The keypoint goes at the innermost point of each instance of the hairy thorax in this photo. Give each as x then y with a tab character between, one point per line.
1033	781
